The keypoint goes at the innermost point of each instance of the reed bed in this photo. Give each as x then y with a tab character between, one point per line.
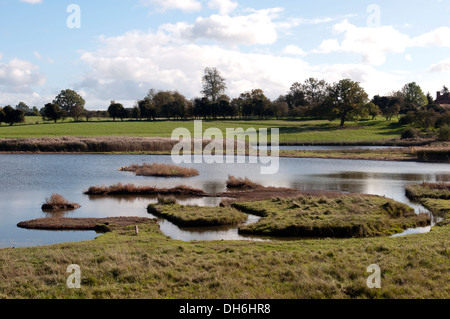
241	183
123	144
161	170
58	202
130	189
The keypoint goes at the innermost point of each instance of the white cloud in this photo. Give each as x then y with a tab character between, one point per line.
183	5
37	55
125	67
20	74
255	28
438	37
373	44
443	66
294	50
225	7
31	1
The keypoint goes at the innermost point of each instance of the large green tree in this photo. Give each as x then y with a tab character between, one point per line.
345	101
213	84
12	116
413	95
51	112
71	103
116	110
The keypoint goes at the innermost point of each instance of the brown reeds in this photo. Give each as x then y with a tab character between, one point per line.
241	183
124	144
130	189
58	202
161	170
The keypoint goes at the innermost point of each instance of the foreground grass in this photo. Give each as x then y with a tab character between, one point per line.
122	264
343	216
313	131
193	216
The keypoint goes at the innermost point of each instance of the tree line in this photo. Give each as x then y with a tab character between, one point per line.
344	100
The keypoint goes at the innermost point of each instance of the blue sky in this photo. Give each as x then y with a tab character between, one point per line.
125	47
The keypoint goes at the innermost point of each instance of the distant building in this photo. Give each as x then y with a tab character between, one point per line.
443	99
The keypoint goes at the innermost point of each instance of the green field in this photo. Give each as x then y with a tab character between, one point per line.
314	131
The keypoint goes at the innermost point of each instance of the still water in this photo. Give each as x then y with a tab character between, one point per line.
26	180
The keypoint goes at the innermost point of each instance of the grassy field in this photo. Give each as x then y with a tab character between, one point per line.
318	132
121	264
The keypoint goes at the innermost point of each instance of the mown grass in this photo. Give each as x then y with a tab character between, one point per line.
193	216
312	131
124	265
343	216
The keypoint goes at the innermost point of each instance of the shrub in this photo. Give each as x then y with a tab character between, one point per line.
444	133
410	133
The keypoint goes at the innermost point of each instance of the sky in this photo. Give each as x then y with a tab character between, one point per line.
119	50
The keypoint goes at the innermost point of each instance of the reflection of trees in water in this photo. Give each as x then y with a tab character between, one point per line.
214	186
330	185
378	175
58	213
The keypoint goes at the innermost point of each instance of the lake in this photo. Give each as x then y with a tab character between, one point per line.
26	180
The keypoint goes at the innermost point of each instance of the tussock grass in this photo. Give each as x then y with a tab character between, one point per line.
58	202
193	216
130	189
341	217
121	265
428	190
434	196
241	183
161	170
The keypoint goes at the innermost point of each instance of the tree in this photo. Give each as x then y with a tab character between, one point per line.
2	116
23	107
13	116
345	101
315	91
89	114
116	110
445	90
372	109
213	84
413	95
296	96
51	112
71	103
280	109
136	112
34	111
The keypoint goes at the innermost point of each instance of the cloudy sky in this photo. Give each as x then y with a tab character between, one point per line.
118	50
